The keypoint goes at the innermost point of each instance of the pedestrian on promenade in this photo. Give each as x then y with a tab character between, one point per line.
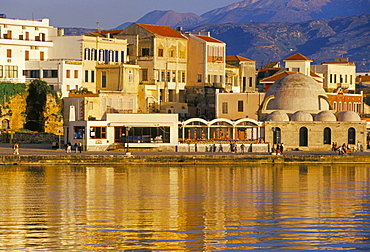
220	148
15	149
80	147
69	147
76	146
281	148
242	147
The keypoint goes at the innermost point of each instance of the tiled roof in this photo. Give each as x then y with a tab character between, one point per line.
340	62
237	58
162	30
312	74
230	66
297	56
277	76
208	39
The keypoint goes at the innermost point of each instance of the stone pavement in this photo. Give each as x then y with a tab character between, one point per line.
45	149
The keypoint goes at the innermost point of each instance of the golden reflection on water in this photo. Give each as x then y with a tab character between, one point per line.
193	208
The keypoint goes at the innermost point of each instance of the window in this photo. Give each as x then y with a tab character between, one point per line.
32	74
224	108
27	55
122	56
86	75
11	71
199	77
93	54
327	136
42	56
20	36
168	76
1	71
240	106
68	73
78	132
172	53
27	36
144	51
351	136
335	106
9	53
160	52
87	54
183	77
50	73
76	74
174	76
103	79
144	74
162	76
92	76
98	132
250	82
350	106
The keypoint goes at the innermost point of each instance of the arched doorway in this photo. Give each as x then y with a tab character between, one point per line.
277	135
303	136
351	136
327	136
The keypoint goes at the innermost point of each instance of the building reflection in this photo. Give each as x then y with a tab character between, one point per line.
183	207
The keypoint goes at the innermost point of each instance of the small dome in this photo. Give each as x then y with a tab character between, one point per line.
278	116
348	116
325	116
296	92
302	116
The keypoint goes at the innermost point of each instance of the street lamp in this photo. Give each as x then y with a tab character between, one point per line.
127	139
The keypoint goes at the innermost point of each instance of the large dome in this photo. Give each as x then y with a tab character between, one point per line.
296	92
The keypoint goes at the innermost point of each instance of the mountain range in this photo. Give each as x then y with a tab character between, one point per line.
270	30
259	11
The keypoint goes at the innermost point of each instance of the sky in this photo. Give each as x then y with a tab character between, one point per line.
109	13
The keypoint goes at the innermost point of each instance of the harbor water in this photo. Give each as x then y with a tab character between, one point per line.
185	208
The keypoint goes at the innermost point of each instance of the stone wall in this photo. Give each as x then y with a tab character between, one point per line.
12	137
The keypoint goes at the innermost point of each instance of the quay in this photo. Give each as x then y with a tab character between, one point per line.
43	154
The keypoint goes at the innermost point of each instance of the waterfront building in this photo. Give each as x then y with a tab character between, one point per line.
91	49
297	112
240	74
124	131
340	73
161	52
205	75
23	42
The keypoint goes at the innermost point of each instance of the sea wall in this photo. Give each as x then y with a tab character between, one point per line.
178	159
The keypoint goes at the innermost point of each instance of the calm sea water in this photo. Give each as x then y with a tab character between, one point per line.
185	208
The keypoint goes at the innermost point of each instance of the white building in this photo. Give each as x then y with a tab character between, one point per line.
23	41
138	130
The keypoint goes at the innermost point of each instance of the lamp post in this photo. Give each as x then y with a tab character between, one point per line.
127	138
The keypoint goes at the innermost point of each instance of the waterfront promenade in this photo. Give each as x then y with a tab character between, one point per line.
44	154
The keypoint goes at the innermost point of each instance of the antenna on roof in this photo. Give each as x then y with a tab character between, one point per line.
97	25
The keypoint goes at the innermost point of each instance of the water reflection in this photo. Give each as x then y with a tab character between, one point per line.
193	208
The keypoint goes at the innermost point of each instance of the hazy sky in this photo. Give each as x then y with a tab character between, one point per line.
110	13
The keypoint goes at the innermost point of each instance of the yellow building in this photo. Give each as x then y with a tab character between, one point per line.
161	53
92	49
206	73
240	74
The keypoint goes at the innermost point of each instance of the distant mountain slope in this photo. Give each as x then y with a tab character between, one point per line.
321	40
285	10
261	11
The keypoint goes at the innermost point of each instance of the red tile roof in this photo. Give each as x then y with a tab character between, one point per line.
277	76
208	39
237	58
297	56
162	30
340	62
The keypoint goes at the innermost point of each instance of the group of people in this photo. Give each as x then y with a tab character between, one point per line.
77	146
342	149
279	149
233	148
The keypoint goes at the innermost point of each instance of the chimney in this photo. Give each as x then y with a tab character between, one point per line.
61	32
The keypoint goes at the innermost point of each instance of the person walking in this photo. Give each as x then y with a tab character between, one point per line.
80	147
16	149
281	148
220	148
69	147
76	147
242	147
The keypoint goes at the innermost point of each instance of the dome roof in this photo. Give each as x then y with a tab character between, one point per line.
278	116
296	92
325	116
301	116
348	116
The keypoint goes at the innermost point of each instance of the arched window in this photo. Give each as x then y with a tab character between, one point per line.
351	136
303	136
340	106
335	106
276	135
327	136
350	106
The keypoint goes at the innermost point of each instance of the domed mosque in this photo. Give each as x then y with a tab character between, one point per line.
296	111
